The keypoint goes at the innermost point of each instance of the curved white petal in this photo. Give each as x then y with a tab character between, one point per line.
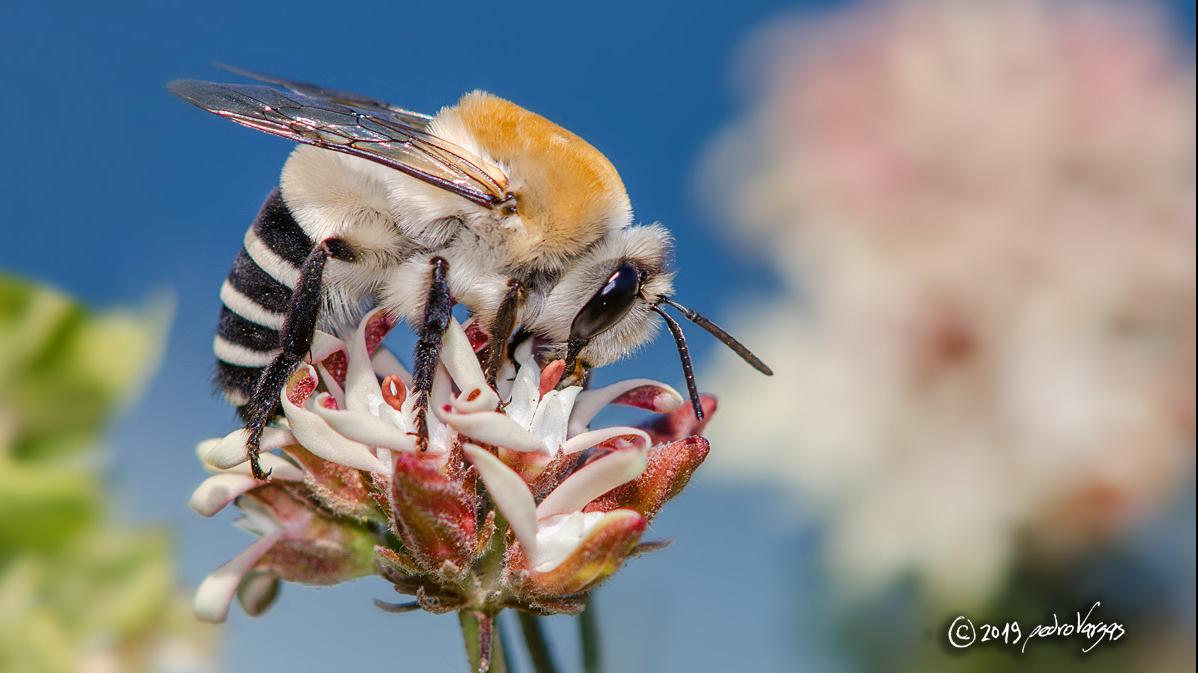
229	451
510	494
459	360
316	436
492	427
558	537
334	388
366	429
526	390
280	468
591	402
553	413
505	378
361	383
215	593
591	481
217	491
439	435
386	364
595	437
324	345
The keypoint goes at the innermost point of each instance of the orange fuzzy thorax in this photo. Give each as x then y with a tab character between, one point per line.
567	193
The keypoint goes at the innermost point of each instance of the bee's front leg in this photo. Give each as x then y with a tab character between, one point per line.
438	309
295	339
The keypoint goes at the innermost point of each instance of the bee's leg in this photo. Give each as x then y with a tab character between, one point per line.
438	308
501	330
295	339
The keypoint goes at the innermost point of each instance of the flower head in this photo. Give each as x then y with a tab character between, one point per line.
513	502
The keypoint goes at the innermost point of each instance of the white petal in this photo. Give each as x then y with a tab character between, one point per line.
217	491
215	593
526	391
360	380
510	494
559	536
230	451
462	364
504	380
591	402
492	427
334	388
553	413
591	481
316	436
365	428
386	364
595	437
324	345
280	468
439	435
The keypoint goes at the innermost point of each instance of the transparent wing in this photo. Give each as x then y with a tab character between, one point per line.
362	129
357	100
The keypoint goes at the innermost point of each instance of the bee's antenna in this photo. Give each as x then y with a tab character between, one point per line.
724	337
688	370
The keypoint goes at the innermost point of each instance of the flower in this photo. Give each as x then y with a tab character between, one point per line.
983	214
513	503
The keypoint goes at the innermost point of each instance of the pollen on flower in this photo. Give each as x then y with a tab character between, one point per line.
515	491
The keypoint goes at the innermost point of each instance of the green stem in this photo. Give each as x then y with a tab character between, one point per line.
588	631
484	648
538	646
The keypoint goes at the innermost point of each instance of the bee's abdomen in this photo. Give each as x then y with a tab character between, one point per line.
255	298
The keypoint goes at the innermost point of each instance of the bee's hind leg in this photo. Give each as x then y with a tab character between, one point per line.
295	339
438	308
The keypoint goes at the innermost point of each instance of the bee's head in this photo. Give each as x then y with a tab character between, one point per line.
565	194
603	307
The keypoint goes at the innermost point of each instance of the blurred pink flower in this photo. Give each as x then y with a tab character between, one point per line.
985	215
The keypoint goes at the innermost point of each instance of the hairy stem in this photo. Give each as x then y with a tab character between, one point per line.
588	631
538	647
484	648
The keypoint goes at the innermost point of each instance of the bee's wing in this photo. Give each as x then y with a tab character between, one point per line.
363	129
356	100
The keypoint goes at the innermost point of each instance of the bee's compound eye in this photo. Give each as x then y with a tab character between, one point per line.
510	208
611	303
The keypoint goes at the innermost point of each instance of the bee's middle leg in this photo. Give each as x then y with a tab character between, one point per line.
438	309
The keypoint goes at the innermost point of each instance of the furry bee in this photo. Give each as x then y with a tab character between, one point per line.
485	204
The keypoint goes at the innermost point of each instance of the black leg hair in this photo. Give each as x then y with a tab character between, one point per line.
688	371
438	308
501	329
295	339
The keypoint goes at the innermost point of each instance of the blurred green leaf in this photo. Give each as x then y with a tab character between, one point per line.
64	369
77	590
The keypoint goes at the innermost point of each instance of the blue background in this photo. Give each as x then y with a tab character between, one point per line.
112	190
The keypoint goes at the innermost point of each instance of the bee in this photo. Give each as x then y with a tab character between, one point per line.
484	204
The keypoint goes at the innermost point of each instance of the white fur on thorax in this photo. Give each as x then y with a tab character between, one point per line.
474	282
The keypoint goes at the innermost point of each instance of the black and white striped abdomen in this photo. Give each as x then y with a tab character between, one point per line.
255	297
